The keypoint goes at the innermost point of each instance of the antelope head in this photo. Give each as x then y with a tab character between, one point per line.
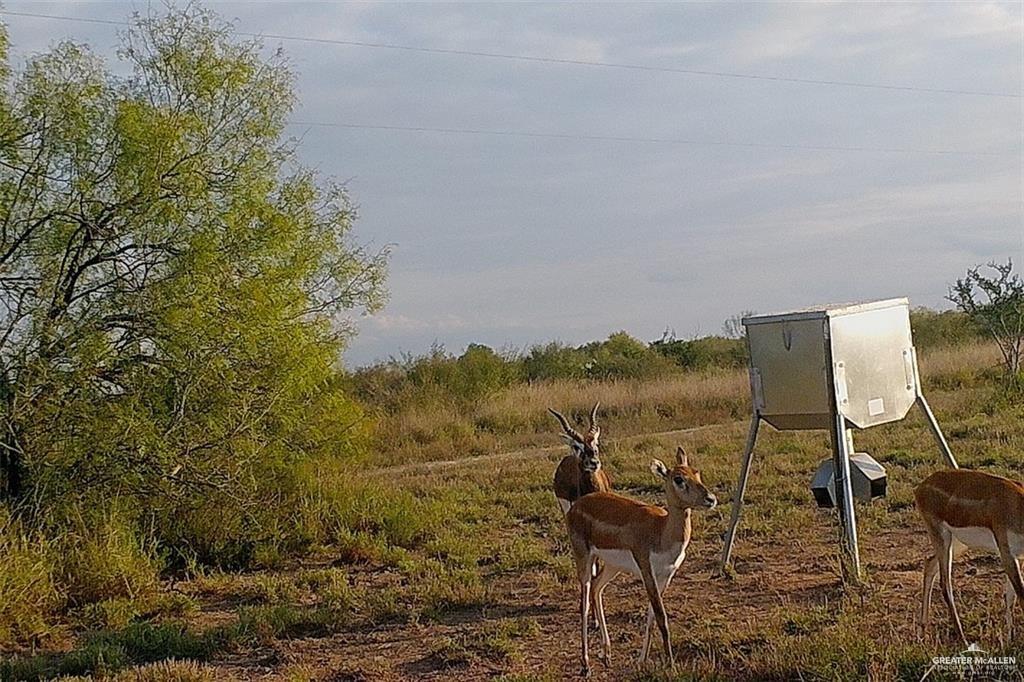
584	447
684	488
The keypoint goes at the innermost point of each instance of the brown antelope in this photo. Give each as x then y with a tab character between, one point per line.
963	510
580	472
634	537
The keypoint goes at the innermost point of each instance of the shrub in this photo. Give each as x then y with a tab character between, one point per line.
996	305
190	392
339	507
709	352
28	594
620	356
623	357
937	329
553	361
104	557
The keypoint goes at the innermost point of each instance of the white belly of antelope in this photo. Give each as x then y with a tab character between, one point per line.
668	562
665	564
619	559
974	537
977	537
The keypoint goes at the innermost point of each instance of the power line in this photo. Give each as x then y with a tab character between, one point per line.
644	140
569	62
583	137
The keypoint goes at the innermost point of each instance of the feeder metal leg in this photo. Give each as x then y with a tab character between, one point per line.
929	417
741	488
841	443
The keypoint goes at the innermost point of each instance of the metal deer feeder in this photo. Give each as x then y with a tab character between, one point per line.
835	368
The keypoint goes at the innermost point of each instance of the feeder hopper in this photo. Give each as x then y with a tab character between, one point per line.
836	368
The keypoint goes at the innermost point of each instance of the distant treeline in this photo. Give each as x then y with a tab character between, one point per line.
480	370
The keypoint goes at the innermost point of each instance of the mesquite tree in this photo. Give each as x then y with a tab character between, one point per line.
996	304
173	285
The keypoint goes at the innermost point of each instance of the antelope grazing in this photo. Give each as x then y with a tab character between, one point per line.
971	510
634	537
580	472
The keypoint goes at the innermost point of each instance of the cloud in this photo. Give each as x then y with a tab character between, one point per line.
841	31
517	240
383	322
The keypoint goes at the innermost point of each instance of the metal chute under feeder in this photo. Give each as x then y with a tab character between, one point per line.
867	479
835	368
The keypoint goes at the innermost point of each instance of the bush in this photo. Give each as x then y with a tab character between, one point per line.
996	305
620	356
104	557
475	374
554	361
437	377
28	593
338	507
190	393
709	352
623	357
479	372
938	329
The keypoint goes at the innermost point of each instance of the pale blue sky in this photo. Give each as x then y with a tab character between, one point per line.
513	240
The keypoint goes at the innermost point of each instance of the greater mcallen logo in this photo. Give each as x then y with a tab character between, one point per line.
973	661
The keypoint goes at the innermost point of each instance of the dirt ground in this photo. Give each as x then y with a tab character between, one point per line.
772	581
785	613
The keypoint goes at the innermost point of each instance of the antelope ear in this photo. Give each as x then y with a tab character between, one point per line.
681	457
659	469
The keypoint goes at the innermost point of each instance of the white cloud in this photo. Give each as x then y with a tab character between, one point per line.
385	322
505	239
839	31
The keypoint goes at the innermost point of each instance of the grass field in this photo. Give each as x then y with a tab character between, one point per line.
460	569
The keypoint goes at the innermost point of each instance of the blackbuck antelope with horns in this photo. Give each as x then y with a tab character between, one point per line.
965	509
630	536
580	473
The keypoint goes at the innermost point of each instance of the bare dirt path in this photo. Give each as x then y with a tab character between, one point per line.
425	467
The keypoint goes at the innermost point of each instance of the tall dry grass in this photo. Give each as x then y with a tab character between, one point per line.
958	366
28	590
517	417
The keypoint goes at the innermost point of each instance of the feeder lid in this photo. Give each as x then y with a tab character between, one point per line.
822	311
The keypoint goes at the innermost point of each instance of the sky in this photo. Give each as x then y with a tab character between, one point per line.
727	193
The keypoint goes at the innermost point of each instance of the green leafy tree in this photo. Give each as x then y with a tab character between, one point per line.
936	329
173	285
996	304
701	353
554	360
621	356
